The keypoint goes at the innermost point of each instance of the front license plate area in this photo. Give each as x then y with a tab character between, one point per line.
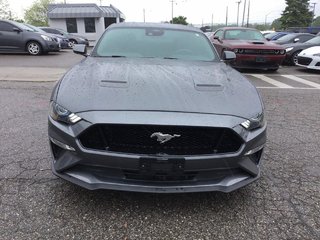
166	166
261	59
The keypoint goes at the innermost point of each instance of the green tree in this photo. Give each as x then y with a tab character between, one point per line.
36	14
5	12
180	20
296	14
276	24
316	22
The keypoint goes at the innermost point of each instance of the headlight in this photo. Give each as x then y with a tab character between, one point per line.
60	114
289	49
254	123
282	52
317	54
235	50
46	38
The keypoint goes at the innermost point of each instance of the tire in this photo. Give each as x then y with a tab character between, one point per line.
294	58
273	69
71	43
34	48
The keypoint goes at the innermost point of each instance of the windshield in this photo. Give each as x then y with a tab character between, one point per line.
24	27
243	34
271	35
35	29
315	40
155	43
287	37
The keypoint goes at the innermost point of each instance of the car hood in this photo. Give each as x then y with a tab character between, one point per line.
311	51
75	36
251	44
103	84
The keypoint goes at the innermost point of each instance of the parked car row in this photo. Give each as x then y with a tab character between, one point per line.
257	51
22	37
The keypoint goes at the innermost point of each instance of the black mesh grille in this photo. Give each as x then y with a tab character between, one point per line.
137	139
259	51
304	60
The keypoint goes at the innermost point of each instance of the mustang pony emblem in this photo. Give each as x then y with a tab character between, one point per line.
162	138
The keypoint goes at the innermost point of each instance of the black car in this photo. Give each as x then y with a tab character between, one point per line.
292	50
294	38
17	37
155	109
73	38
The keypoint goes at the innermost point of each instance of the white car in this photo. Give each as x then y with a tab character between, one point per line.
310	58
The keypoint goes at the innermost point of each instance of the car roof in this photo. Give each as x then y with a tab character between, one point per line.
155	25
237	28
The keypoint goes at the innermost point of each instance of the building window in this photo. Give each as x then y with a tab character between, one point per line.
72	25
109	21
89	25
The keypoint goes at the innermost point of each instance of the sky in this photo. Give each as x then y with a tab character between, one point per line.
196	11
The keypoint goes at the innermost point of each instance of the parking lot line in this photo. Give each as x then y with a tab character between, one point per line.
301	80
271	81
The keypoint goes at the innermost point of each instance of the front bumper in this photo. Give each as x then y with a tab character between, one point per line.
311	63
246	61
94	169
51	46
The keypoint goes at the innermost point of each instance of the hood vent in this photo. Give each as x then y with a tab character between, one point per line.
114	83
261	43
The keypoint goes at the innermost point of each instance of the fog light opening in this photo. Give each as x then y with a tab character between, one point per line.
62	145
252	151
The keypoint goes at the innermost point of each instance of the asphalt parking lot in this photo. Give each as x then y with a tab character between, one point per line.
283	204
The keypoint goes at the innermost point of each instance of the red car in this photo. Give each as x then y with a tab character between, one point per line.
252	49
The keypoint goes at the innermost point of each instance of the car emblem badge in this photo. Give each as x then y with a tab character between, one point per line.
162	138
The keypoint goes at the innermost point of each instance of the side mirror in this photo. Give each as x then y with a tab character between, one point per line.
296	40
228	56
217	38
80	49
15	29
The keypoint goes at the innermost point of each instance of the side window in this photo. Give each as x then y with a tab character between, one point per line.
89	25
6	27
304	38
72	25
54	31
219	34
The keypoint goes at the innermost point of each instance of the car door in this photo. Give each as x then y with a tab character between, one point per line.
218	42
10	37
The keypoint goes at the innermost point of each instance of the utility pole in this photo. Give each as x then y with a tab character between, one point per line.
238	12
144	15
314	9
172	2
212	22
227	16
248	14
244	12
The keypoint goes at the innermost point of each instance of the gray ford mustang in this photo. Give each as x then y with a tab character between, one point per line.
154	109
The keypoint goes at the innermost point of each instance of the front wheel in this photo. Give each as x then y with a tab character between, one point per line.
34	48
72	43
294	58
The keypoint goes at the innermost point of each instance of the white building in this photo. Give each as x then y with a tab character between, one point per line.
88	20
